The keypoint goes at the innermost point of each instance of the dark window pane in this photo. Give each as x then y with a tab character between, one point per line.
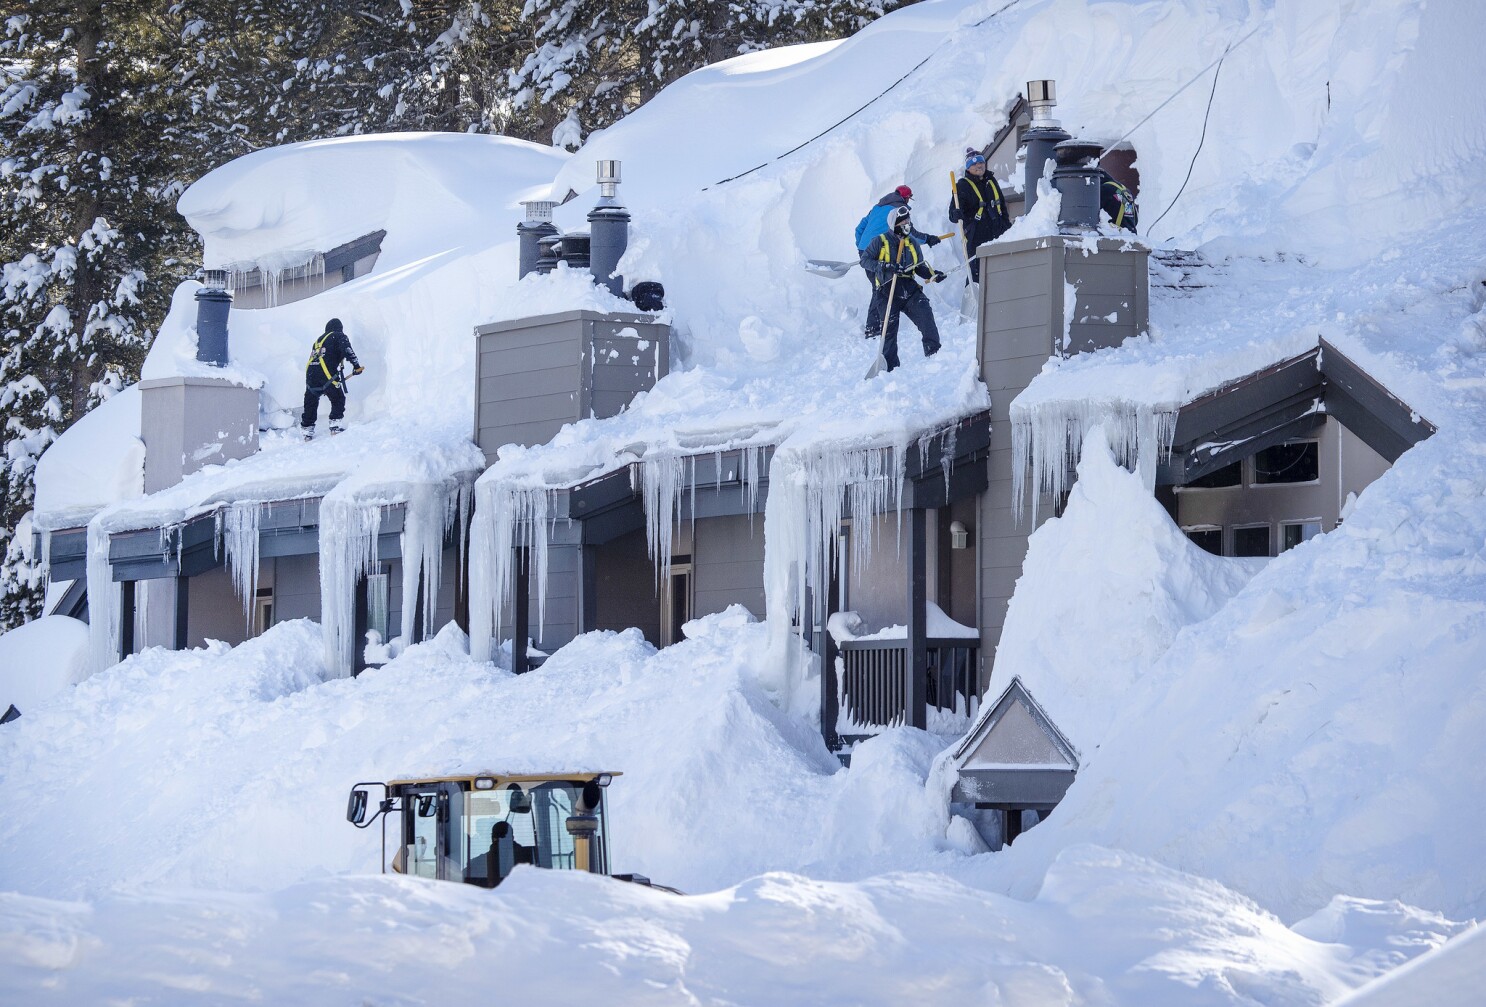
1291	535
1288	463
1251	541
1228	475
1210	539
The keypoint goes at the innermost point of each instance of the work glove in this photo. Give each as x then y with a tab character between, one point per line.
954	214
939	276
932	240
905	270
357	369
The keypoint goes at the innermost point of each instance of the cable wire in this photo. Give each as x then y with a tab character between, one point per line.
873	101
1200	140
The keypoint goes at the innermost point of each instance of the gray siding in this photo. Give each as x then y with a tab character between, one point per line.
626	587
537	374
189	423
296	588
215	611
728	565
1022	324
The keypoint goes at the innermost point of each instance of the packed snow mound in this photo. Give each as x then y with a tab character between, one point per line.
99	460
1104	591
718	784
1106	928
40	659
429	191
1316	733
449	204
1450	974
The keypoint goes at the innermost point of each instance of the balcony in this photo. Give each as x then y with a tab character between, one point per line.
873	691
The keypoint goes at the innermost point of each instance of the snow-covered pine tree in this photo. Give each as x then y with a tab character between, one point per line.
596	60
87	234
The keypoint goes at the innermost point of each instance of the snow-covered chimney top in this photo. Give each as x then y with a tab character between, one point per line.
1042	95
539	211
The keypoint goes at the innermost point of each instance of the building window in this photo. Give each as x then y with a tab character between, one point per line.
262	611
1208	537
1295	532
1295	462
1228	475
1251	540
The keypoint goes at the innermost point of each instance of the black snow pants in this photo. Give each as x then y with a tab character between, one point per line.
908	300
312	392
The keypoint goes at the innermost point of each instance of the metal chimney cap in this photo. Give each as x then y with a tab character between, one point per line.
1042	91
539	211
609	173
214	279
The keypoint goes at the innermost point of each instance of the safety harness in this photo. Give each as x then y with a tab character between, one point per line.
1123	195
317	356
882	255
995	201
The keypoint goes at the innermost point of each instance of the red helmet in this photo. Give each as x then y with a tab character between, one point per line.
904	191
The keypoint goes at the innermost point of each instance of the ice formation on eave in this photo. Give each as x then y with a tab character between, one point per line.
508	516
273	270
349	529
237	535
103	599
1047	440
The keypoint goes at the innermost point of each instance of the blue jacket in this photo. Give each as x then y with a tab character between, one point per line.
875	222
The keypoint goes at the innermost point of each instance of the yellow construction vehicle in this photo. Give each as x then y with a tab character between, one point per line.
477	828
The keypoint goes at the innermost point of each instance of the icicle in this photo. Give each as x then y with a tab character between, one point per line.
810	491
430	513
348	552
750	467
507	517
237	534
103	600
663	480
1047	439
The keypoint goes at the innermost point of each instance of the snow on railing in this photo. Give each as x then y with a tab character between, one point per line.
1047	439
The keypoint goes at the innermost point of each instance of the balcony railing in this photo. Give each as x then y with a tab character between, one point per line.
872	686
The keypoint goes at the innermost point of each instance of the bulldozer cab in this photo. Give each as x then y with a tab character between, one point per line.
476	829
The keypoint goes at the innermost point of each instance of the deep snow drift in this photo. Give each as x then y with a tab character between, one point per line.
1299	740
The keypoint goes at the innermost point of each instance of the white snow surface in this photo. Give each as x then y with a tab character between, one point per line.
40	660
98	461
1275	765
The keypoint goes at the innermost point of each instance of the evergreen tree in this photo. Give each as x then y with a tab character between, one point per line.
88	244
597	60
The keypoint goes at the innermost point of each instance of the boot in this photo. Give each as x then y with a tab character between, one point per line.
308	433
336	427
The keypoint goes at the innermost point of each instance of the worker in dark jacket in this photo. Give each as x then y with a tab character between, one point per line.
982	208
323	376
1117	202
874	224
896	263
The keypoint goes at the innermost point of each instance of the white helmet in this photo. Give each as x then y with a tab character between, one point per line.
897	219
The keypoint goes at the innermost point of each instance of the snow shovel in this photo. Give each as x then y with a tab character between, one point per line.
880	364
828	268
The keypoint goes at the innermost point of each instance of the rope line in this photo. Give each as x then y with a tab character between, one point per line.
1200	140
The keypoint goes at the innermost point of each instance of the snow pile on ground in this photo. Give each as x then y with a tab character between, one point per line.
1105	928
40	659
1105	590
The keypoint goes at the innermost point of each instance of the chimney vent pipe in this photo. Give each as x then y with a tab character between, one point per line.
213	302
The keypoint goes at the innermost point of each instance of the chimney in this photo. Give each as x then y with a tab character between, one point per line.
608	224
531	231
213	302
1077	178
1041	137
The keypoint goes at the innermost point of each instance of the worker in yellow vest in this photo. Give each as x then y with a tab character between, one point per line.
323	376
896	263
980	205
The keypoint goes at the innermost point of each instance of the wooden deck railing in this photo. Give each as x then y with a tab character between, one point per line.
873	684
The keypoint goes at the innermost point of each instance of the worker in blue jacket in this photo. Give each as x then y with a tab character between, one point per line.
895	261
874	224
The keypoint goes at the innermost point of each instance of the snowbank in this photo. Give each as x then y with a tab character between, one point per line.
40	659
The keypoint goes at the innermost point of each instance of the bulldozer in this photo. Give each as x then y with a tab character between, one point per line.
475	829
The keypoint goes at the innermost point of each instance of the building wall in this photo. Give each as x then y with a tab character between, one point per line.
625	586
728	564
214	610
957	567
296	587
1346	465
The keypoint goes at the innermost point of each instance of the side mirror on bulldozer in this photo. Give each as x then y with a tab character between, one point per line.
356	807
